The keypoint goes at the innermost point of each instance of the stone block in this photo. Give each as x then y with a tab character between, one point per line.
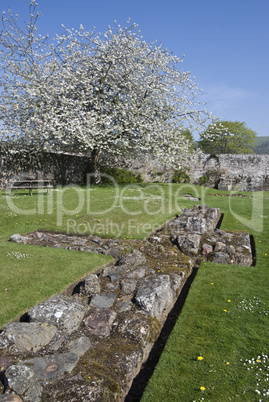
52	366
133	259
80	345
91	285
196	225
154	294
29	337
221	258
128	285
189	243
17	238
136	326
64	312
114	277
219	246
137	273
100	322
124	305
207	249
20	378
103	300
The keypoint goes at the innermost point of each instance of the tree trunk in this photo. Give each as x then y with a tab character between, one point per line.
96	156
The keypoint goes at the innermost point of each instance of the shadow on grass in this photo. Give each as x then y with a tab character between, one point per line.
140	382
253	250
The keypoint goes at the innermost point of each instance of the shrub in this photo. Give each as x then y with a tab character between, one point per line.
120	175
211	178
203	179
180	176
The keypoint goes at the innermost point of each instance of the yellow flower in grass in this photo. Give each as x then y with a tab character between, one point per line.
200	358
225	311
202	388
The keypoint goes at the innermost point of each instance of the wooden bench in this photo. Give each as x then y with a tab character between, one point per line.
29	185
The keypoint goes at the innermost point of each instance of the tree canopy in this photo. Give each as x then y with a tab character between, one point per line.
228	137
100	93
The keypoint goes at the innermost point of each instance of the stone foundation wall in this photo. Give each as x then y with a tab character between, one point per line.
89	344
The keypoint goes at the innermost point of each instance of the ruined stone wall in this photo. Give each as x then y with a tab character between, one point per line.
226	172
240	172
107	324
233	164
61	168
245	172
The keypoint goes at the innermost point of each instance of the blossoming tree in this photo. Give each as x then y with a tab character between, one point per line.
99	93
228	137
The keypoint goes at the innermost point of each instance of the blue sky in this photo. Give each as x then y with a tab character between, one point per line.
225	43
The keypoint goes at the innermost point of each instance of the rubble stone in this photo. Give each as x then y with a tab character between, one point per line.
134	259
128	285
103	300
100	322
52	366
189	243
154	294
207	249
136	327
91	285
28	336
20	378
221	258
62	311
125	305
80	345
17	238
219	246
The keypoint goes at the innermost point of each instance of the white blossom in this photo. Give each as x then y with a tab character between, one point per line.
112	93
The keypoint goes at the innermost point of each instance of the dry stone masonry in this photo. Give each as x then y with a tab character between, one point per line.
225	172
231	171
89	343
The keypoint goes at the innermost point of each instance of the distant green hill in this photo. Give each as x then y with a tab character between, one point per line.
262	145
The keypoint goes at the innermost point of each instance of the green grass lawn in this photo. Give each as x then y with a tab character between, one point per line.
31	274
225	317
219	347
